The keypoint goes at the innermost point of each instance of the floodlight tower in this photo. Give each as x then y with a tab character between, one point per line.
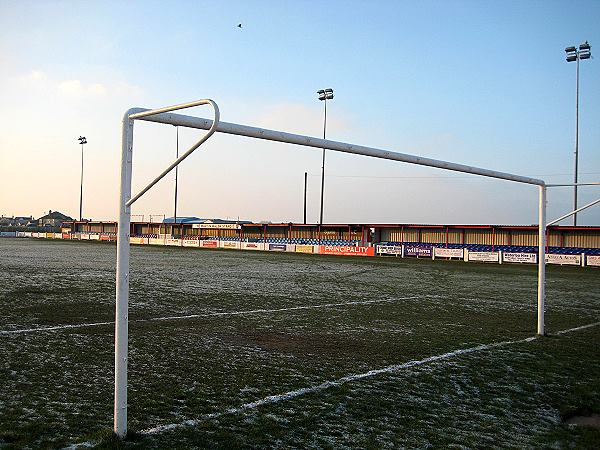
324	95
82	140
574	54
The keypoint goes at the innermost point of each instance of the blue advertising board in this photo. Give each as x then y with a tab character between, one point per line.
417	250
277	247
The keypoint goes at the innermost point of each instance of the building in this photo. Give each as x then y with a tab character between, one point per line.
53	219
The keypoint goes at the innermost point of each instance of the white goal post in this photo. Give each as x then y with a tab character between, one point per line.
165	116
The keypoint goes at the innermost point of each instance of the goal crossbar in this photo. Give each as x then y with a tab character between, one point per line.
165	116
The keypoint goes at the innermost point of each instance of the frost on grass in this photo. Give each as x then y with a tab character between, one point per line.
212	331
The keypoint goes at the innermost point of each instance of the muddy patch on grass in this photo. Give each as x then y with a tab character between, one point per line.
592	420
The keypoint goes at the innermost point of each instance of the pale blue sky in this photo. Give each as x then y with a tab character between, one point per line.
476	82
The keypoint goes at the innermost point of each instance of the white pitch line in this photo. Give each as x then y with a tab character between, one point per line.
583	327
58	327
194	316
271	399
262	311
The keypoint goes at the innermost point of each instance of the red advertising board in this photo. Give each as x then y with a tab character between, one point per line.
346	250
210	244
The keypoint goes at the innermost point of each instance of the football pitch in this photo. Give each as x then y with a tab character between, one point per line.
235	349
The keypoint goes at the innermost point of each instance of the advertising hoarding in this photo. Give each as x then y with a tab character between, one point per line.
277	247
484	256
593	260
418	251
519	257
346	250
389	249
569	260
448	252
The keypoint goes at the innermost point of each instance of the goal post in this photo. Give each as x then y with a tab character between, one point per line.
166	116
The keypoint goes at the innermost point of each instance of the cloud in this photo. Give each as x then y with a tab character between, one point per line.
76	89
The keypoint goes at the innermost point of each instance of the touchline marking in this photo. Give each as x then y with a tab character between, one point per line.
194	316
271	399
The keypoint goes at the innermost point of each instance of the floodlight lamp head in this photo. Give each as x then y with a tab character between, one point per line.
570	49
82	140
585	46
571	58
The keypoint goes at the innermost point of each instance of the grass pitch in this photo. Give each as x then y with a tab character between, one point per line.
243	349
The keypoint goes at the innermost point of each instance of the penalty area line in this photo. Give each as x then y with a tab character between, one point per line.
277	398
205	315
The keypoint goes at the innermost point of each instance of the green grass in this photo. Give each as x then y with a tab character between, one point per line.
56	386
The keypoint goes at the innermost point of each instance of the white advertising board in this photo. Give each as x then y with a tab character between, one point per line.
173	242
516	257
253	246
156	241
226	244
191	243
570	260
94	237
389	249
484	256
85	236
593	260
448	252
217	226
290	247
57	235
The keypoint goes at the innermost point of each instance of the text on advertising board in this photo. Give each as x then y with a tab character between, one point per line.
570	260
412	250
484	256
217	226
448	252
513	257
277	247
346	250
389	249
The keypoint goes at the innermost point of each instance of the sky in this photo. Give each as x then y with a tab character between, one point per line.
483	83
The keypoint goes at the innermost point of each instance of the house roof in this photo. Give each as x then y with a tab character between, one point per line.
56	215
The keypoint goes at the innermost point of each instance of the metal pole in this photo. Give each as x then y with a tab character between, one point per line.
323	166
589	205
305	188
81	188
122	290
176	173
576	145
541	261
308	141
